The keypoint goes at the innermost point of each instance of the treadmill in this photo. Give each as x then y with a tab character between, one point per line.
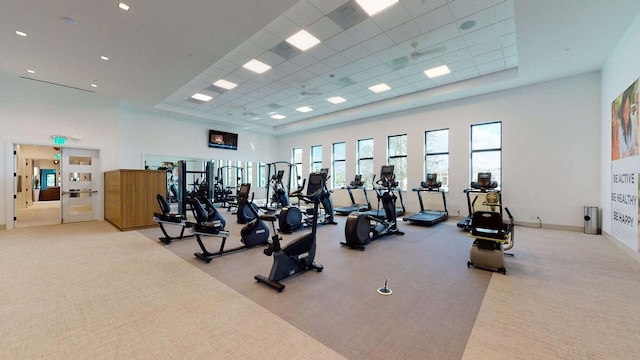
346	210
429	217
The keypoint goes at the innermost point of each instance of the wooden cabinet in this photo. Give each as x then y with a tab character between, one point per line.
130	197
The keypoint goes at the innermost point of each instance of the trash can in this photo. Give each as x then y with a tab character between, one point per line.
591	220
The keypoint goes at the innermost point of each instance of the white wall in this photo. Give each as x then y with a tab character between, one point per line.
151	132
30	112
621	69
551	129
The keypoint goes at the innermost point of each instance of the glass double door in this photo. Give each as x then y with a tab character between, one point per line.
80	174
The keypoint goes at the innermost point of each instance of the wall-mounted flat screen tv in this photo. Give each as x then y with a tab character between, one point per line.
223	140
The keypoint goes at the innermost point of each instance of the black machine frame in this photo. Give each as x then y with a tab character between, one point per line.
428	217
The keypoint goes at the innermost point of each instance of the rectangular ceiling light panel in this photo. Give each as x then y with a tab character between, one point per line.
336	100
256	66
225	84
437	71
202	97
373	7
379	88
303	40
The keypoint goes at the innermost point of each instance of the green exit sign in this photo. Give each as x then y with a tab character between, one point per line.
59	140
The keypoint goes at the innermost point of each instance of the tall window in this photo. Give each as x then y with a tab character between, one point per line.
436	157
296	159
365	160
316	158
262	175
486	150
249	172
397	156
338	172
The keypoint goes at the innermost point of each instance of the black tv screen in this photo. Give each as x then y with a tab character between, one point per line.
223	140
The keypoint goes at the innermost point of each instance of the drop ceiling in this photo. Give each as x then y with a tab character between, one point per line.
160	53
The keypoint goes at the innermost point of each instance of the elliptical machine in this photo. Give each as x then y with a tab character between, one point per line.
362	228
298	255
291	217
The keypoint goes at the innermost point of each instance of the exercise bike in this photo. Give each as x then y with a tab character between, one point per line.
362	228
299	255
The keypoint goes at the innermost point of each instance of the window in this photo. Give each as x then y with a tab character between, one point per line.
296	159
436	158
486	150
397	156
249	172
316	158
262	175
365	160
339	171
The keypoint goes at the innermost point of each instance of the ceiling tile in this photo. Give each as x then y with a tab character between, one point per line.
509	51
336	61
482	19
304	60
482	35
378	43
511	61
491	67
364	30
458	55
464	8
488	57
321	51
504	10
303	14
368	62
404	32
440	35
435	19
355	52
282	27
419	7
319	68
508	40
456	66
271	59
485	47
265	39
379	70
507	26
390	53
392	17
341	41
324	29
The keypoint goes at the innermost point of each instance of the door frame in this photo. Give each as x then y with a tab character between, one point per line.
10	184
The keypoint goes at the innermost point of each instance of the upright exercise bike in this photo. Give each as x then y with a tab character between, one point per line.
362	228
298	255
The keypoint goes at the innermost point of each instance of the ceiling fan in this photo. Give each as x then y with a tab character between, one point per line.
415	55
304	92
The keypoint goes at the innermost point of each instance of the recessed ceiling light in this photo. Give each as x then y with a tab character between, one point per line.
304	109
123	6
225	84
303	40
104	58
379	88
256	66
373	7
336	100
437	71
202	97
467	25
278	117
31	71
21	33
94	85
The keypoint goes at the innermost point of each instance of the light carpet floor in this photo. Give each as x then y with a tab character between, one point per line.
85	291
